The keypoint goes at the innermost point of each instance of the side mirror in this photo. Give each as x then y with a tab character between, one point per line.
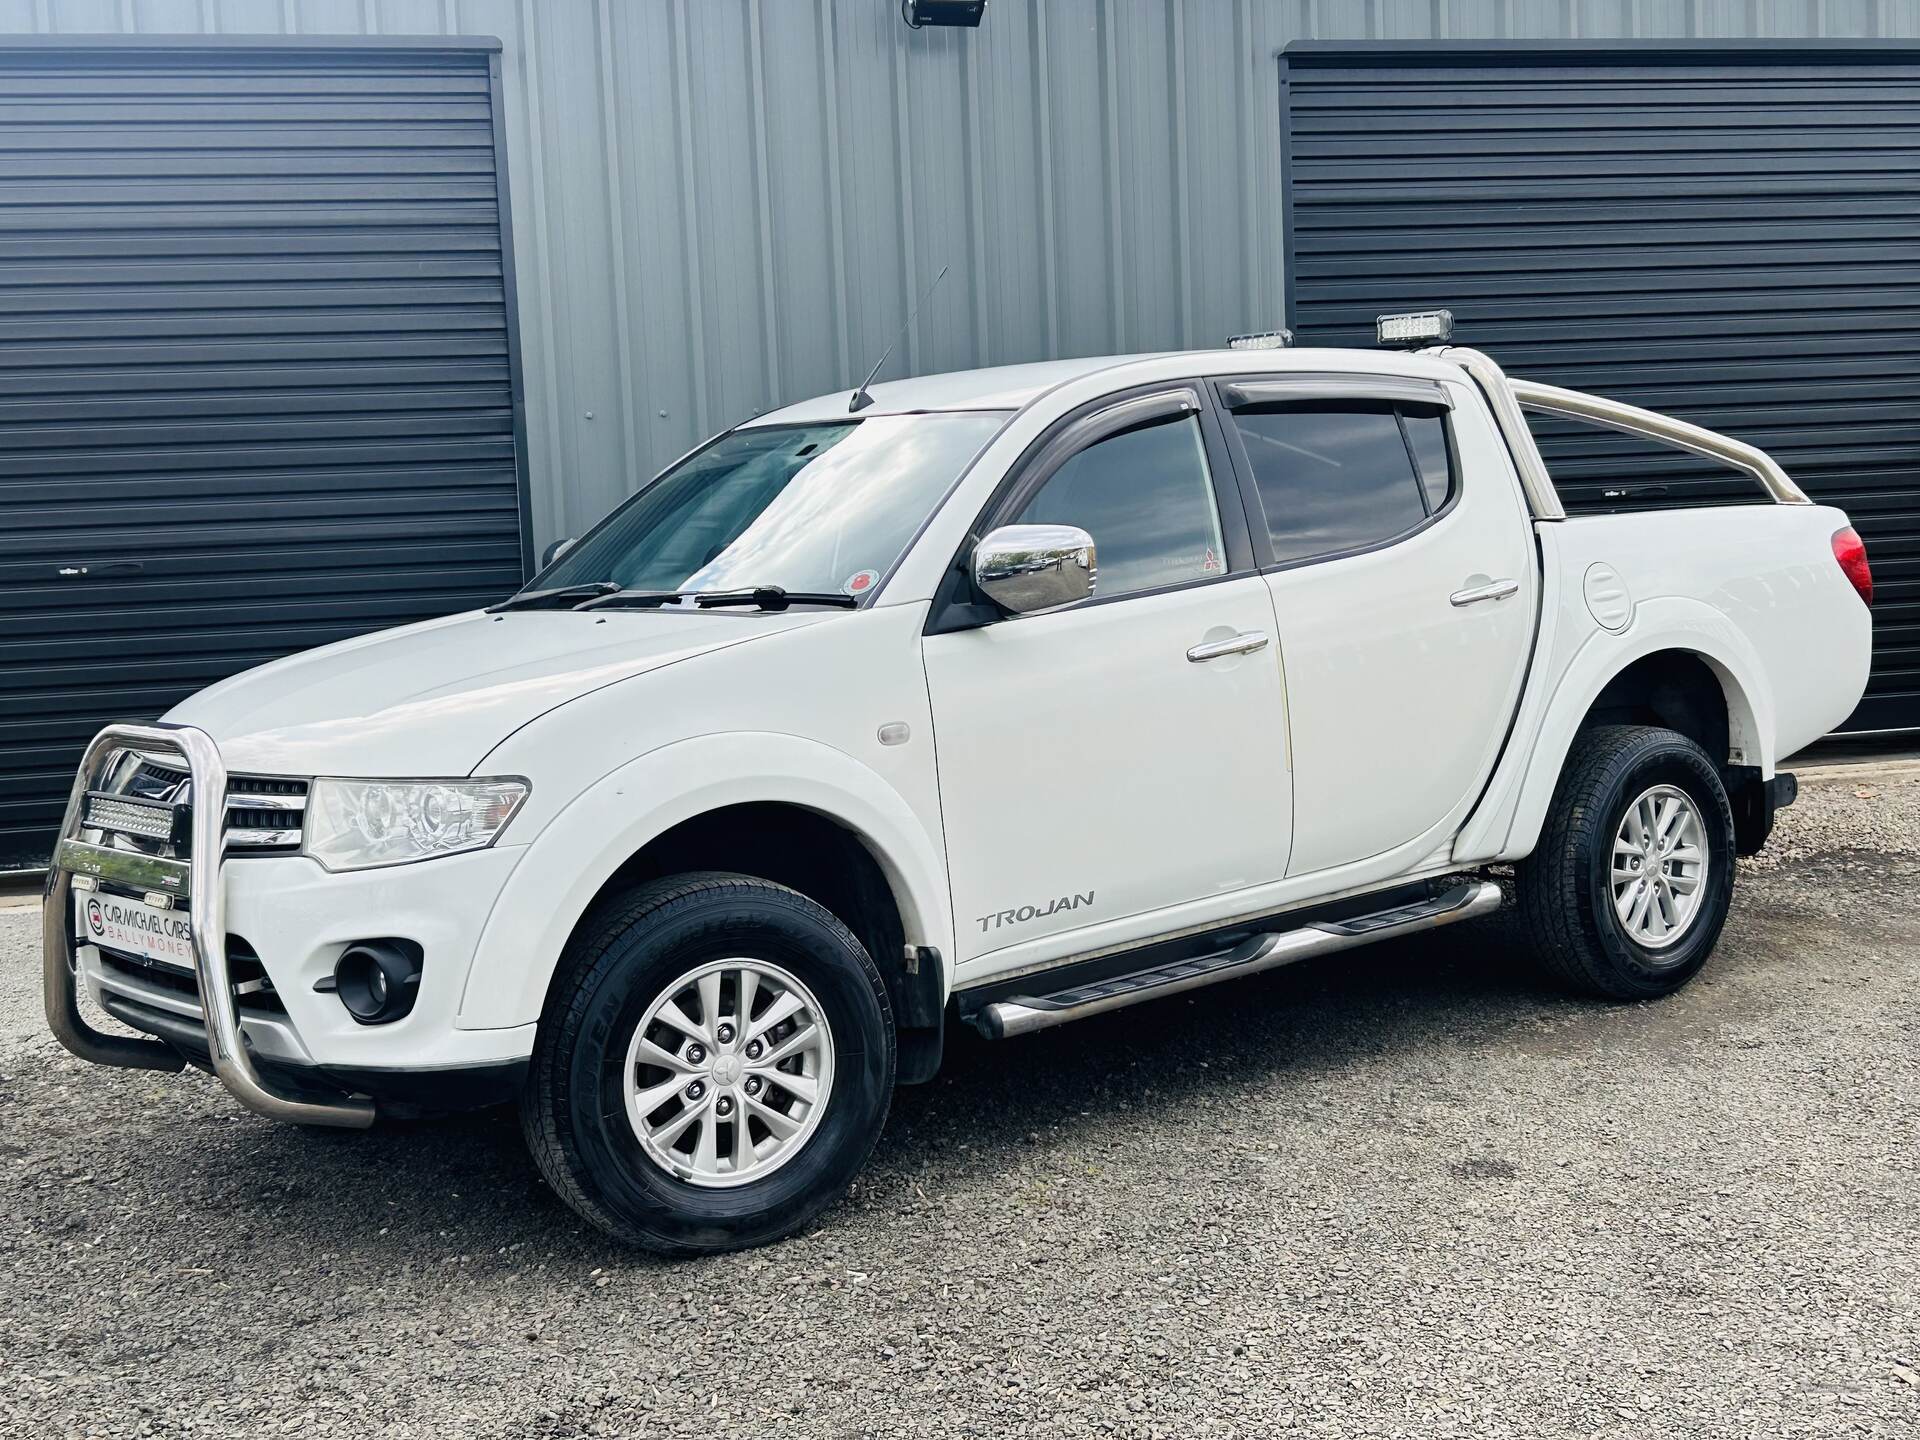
554	551
1028	568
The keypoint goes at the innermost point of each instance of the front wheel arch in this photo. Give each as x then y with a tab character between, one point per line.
567	863
816	856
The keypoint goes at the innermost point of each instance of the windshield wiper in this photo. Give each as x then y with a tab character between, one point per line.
558	598
618	599
767	597
772	597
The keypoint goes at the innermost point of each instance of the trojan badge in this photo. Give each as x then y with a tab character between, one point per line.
1033	912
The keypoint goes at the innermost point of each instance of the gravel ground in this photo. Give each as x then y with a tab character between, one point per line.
1403	1192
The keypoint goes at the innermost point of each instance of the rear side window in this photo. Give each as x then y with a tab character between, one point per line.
1427	439
1341	476
1146	497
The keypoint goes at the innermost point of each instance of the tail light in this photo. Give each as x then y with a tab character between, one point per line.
1851	551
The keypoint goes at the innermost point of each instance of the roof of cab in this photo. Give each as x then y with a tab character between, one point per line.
1010	387
1000	387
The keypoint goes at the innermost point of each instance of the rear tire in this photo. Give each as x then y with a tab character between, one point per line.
661	1016
1611	912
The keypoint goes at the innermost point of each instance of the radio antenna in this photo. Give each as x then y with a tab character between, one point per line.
861	399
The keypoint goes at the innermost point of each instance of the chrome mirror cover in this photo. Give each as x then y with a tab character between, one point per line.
1025	569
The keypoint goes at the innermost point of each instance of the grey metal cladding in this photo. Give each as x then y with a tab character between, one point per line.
255	386
1724	233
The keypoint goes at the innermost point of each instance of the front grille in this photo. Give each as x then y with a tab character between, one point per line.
250	983
266	814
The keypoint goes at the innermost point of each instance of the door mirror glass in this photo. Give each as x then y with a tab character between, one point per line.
554	551
1028	568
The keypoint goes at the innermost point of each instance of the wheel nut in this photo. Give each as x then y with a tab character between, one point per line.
696	1052
754	1049
696	1089
725	1034
723	1106
752	1086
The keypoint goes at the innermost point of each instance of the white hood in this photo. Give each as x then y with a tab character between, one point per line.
432	699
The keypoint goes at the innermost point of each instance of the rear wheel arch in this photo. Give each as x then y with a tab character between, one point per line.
1684	681
1684	691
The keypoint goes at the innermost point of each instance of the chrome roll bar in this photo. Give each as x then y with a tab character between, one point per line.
1511	398
1651	425
1542	499
198	881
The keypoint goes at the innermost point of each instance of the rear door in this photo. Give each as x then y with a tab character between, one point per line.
1401	564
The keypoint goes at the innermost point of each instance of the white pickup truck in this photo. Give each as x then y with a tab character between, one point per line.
1006	698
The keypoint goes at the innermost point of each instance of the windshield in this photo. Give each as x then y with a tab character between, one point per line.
824	508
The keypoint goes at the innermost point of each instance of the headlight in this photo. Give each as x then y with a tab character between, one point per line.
358	824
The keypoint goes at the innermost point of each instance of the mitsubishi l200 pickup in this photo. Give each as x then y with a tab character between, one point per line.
1000	698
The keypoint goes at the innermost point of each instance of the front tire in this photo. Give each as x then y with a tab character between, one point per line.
713	1066
1626	893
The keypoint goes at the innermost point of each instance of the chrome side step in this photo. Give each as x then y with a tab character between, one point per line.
1022	1013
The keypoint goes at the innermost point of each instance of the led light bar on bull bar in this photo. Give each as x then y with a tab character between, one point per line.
1414	328
127	815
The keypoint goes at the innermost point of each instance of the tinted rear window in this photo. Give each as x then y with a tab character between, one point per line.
1334	477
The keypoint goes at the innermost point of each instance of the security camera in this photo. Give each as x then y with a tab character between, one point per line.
965	13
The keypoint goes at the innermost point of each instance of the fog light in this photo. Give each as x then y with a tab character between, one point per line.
378	980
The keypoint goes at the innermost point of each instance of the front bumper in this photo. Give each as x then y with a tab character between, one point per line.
297	1055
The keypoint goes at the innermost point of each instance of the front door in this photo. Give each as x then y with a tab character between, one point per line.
1117	768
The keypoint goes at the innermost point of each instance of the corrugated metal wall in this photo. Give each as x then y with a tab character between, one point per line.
1722	234
255	383
720	205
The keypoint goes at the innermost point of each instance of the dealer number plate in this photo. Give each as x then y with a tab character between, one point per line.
136	928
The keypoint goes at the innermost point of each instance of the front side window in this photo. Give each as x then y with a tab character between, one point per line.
825	508
1146	497
1340	476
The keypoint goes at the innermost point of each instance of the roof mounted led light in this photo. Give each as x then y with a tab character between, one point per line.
1414	328
1264	340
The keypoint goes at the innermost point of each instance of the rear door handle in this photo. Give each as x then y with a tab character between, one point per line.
1498	590
1244	643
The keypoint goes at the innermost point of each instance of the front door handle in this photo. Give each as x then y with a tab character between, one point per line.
1244	643
1498	590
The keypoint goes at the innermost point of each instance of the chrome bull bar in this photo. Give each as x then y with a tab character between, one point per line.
197	879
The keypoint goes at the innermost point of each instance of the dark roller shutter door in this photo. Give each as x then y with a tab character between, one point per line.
1727	234
256	384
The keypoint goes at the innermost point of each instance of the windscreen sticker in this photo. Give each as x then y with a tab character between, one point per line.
861	581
